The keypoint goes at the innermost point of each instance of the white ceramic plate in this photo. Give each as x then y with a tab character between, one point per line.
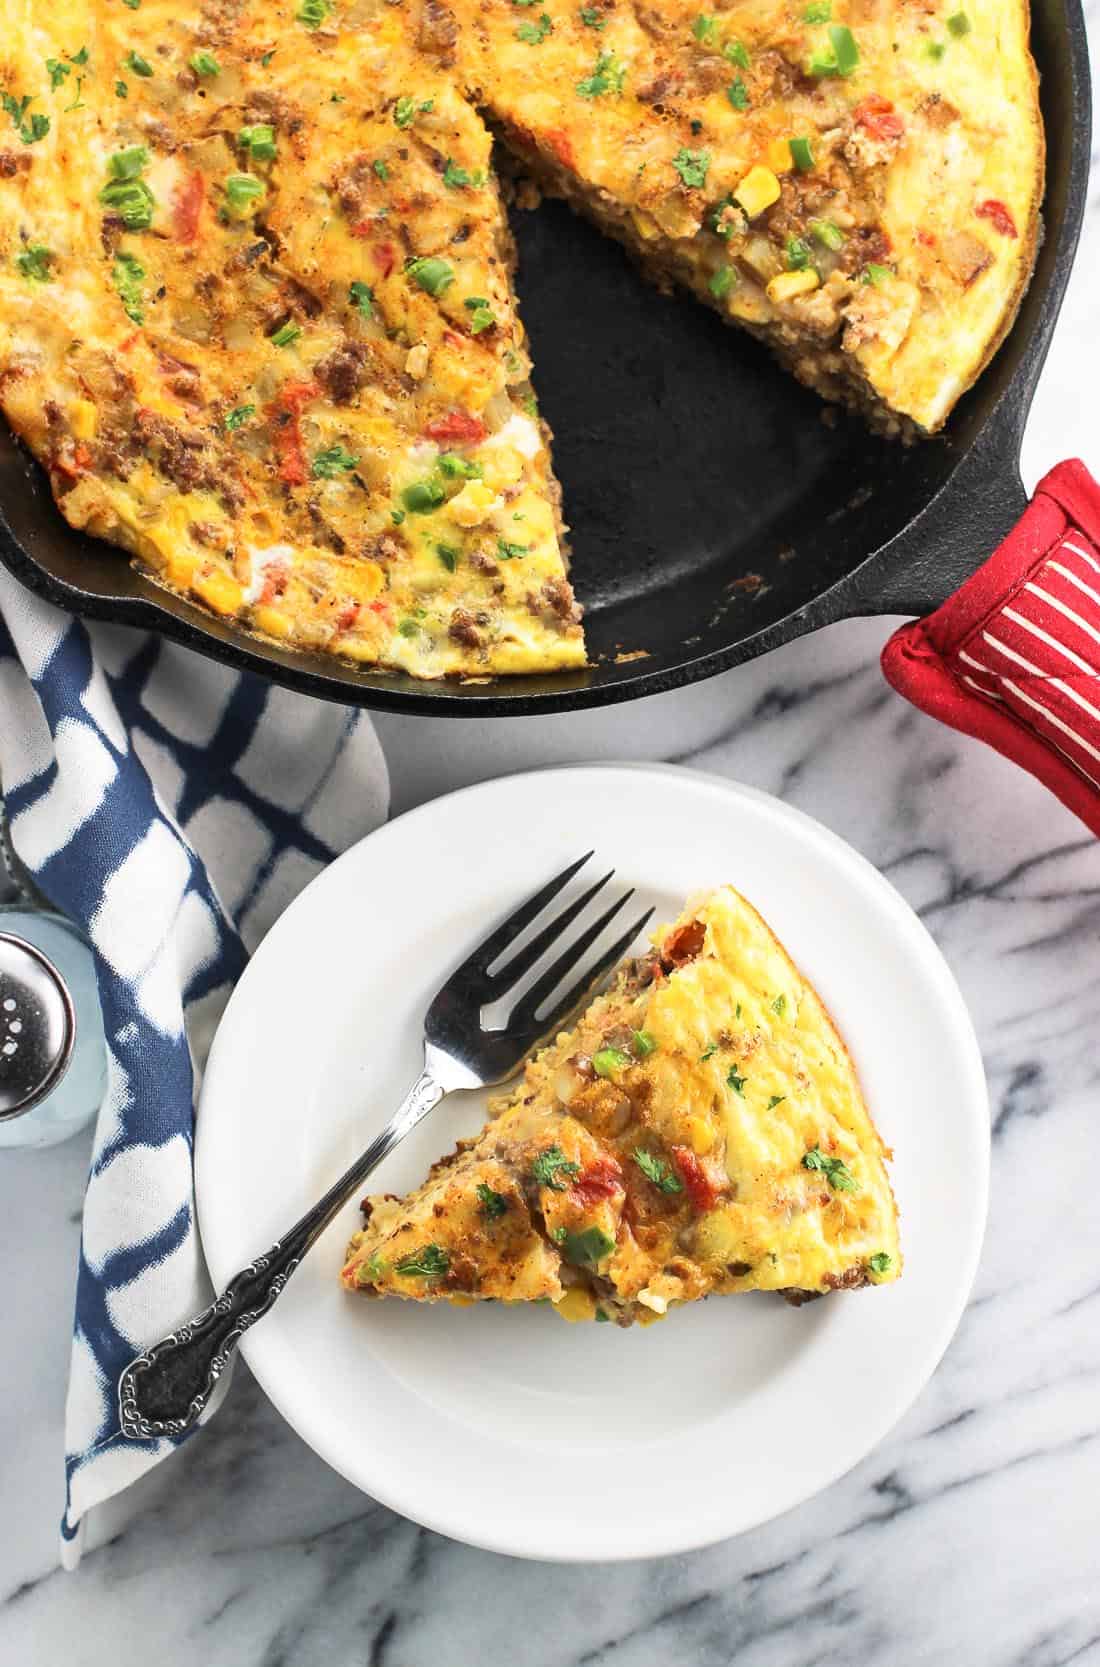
507	1427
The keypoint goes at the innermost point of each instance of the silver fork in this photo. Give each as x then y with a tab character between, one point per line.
165	1390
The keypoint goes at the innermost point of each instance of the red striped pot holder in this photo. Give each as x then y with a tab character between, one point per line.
1014	656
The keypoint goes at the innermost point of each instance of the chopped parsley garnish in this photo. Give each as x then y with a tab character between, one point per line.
139	65
481	314
259	141
34	263
551	1166
657	1170
380	169
880	1262
408	628
875	275
609	1060
936	49
239	416
128	275
535	33
835	1170
456	178
721	282
493	1204
692	166
58	71
827	234
775	1100
799	254
428	1263
361	297
592	18
455	467
126	193
376	1267
735	1081
203	63
313	13
738	93
587	1247
602	1317
132	4
420	497
959	24
802	152
404	112
242	189
332	462
736	53
30	129
286	335
708	1053
432	273
705	28
819	12
510	552
607	76
121	90
643	1044
779	1005
80	57
448	556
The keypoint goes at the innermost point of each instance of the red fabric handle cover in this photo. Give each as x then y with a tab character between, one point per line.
1014	656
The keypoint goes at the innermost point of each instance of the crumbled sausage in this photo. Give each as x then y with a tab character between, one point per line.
343	371
463	629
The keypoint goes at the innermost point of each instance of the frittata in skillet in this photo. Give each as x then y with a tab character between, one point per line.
701	1129
256	311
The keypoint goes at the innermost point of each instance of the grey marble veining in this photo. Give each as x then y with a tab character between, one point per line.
971	1536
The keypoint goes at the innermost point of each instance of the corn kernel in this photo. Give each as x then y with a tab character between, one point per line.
576	1304
789	284
780	160
82	419
218	591
757	191
271	622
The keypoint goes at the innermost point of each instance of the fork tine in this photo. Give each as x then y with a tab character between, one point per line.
524	959
492	947
526	1010
584	986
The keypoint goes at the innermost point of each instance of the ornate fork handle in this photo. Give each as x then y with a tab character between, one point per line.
166	1389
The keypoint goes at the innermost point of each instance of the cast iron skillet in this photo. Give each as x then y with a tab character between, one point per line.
688	462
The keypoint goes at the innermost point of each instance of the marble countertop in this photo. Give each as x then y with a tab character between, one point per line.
969	1536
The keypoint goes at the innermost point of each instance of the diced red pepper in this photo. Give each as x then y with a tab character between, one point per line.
598	1180
346	618
878	117
275	581
187	209
385	256
684	944
287	410
457	426
698	1185
998	216
926	238
562	146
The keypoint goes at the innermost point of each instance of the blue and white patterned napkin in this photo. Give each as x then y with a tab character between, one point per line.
171	808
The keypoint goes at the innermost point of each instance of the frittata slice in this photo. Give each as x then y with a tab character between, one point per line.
701	1129
257	321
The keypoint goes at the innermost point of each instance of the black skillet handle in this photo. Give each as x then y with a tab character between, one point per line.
962	526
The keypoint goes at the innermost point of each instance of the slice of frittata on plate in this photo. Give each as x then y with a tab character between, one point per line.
700	1129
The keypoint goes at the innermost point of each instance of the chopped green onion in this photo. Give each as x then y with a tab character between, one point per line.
819	12
822	62
128	274
738	94
535	33
455	467
880	1262
511	552
721	282
936	49
432	273
736	53
845	47
959	24
803	154
259	141
128	163
34	262
481	314
798	254
448	556
705	28
333	462
692	166
121	90
643	1044
608	1061
875	275
286	335
420	497
456	178
140	66
592	18
239	416
827	234
131	200
313	13
408	628
242	189
361	297
203	63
